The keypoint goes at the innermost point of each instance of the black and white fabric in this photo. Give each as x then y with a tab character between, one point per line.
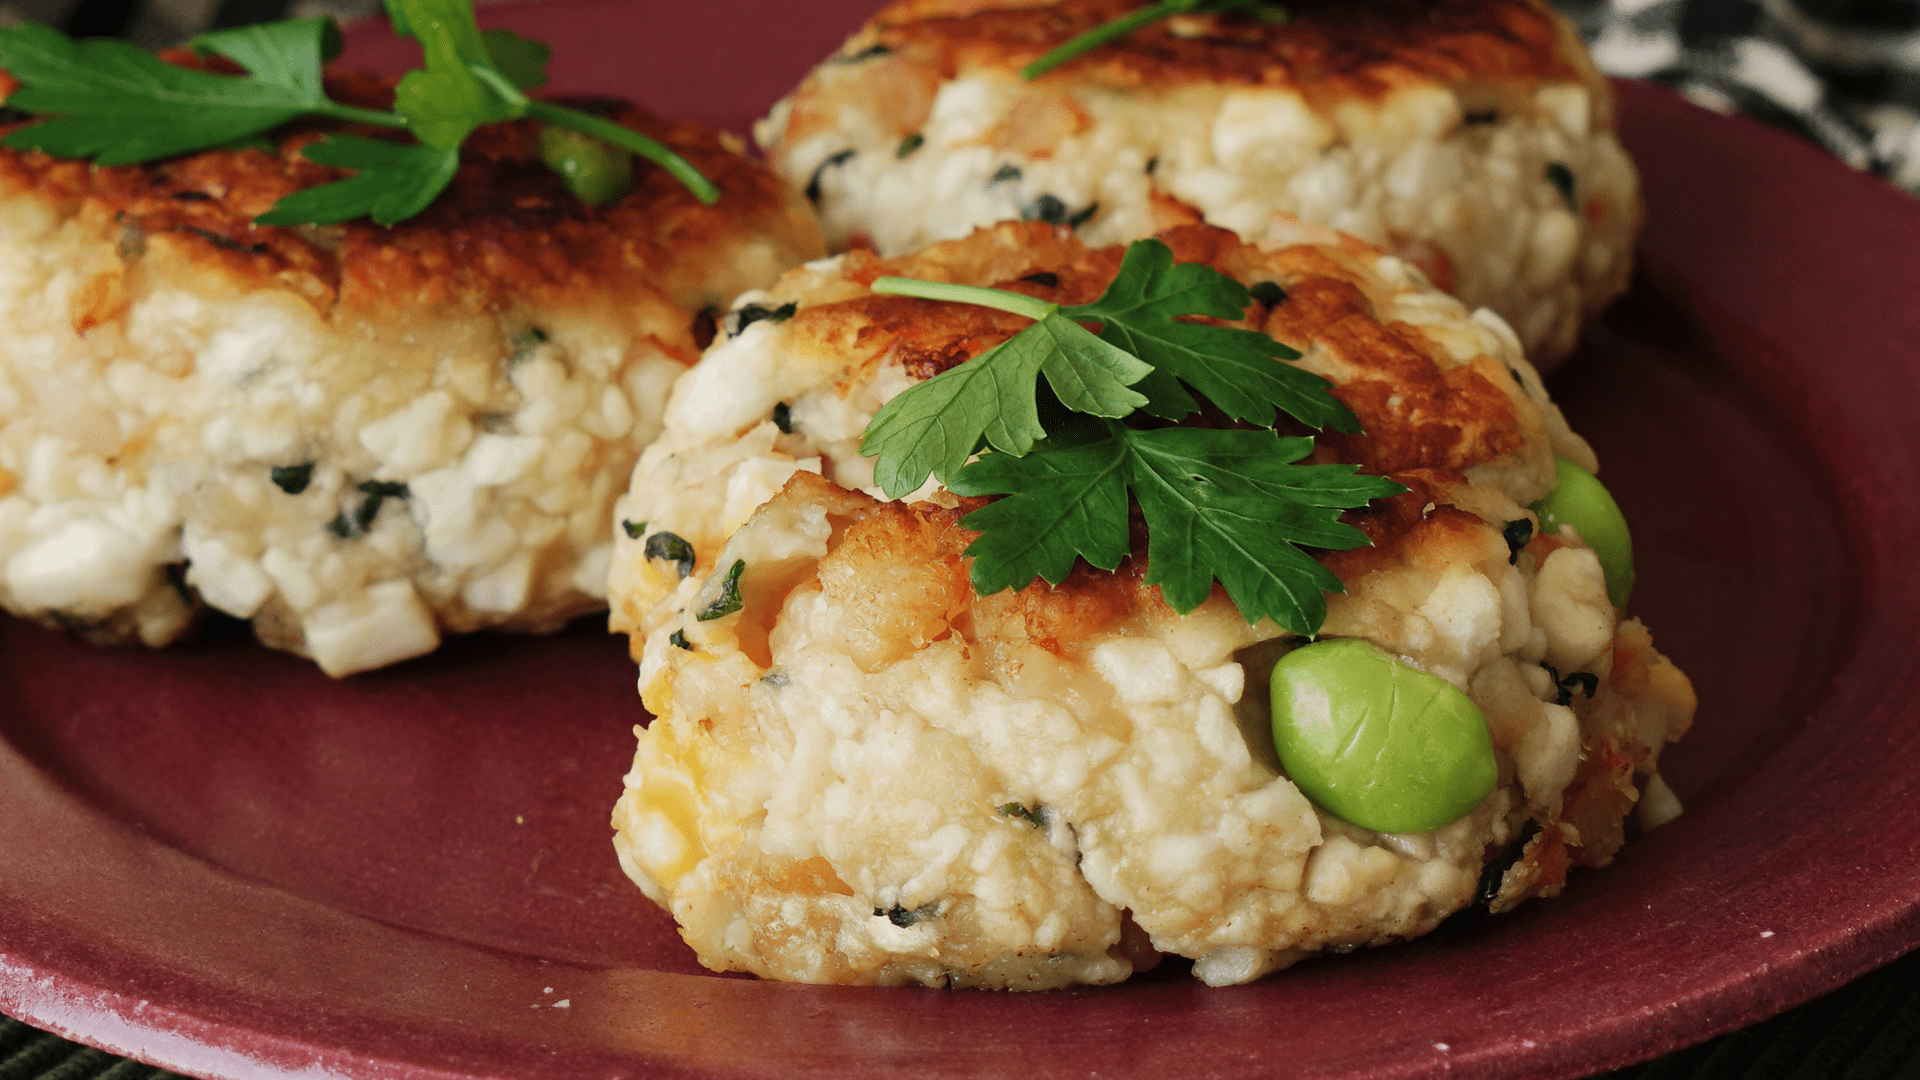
1843	73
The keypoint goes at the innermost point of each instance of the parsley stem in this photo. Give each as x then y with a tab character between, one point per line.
1263	10
1105	32
498	83
354	115
998	299
627	138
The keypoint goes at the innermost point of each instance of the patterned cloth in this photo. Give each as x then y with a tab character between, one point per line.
1843	73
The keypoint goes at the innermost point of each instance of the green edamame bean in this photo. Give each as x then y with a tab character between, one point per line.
1377	741
596	173
1579	500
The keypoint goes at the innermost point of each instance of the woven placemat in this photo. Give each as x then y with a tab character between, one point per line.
30	1054
1866	1030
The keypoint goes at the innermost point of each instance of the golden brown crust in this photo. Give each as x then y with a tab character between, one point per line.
1328	49
1416	413
900	575
1414	519
929	337
506	229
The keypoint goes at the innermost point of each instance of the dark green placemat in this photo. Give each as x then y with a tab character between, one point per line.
30	1054
1866	1030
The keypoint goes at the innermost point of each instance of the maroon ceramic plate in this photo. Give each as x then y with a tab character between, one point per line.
218	860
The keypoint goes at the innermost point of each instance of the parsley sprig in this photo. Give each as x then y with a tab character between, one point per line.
1231	504
119	105
1265	10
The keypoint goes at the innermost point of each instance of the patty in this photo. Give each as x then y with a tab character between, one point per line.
360	438
868	773
1472	137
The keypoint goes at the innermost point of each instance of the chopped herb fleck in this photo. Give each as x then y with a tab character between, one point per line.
1050	209
177	577
783	418
1517	377
1047	208
1005	174
635	529
292	479
813	182
678	639
1015	810
376	492
369	509
1153	164
904	917
1045	279
224	243
867	53
1483	116
729	600
339	526
1268	293
1518	533
1496	870
1584	682
746	316
525	342
1561	178
1562	695
669	546
74	624
909	144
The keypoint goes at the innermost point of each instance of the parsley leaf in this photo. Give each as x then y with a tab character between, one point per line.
1232	506
935	426
121	105
285	54
1242	526
522	60
1234	368
1141	358
1066	500
397	18
729	600
1219	504
445	100
1126	24
392	182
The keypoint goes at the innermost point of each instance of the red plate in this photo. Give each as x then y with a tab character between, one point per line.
217	860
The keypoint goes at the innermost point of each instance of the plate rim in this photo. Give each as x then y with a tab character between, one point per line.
68	996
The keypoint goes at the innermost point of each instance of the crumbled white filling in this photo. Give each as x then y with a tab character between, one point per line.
1408	172
232	436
